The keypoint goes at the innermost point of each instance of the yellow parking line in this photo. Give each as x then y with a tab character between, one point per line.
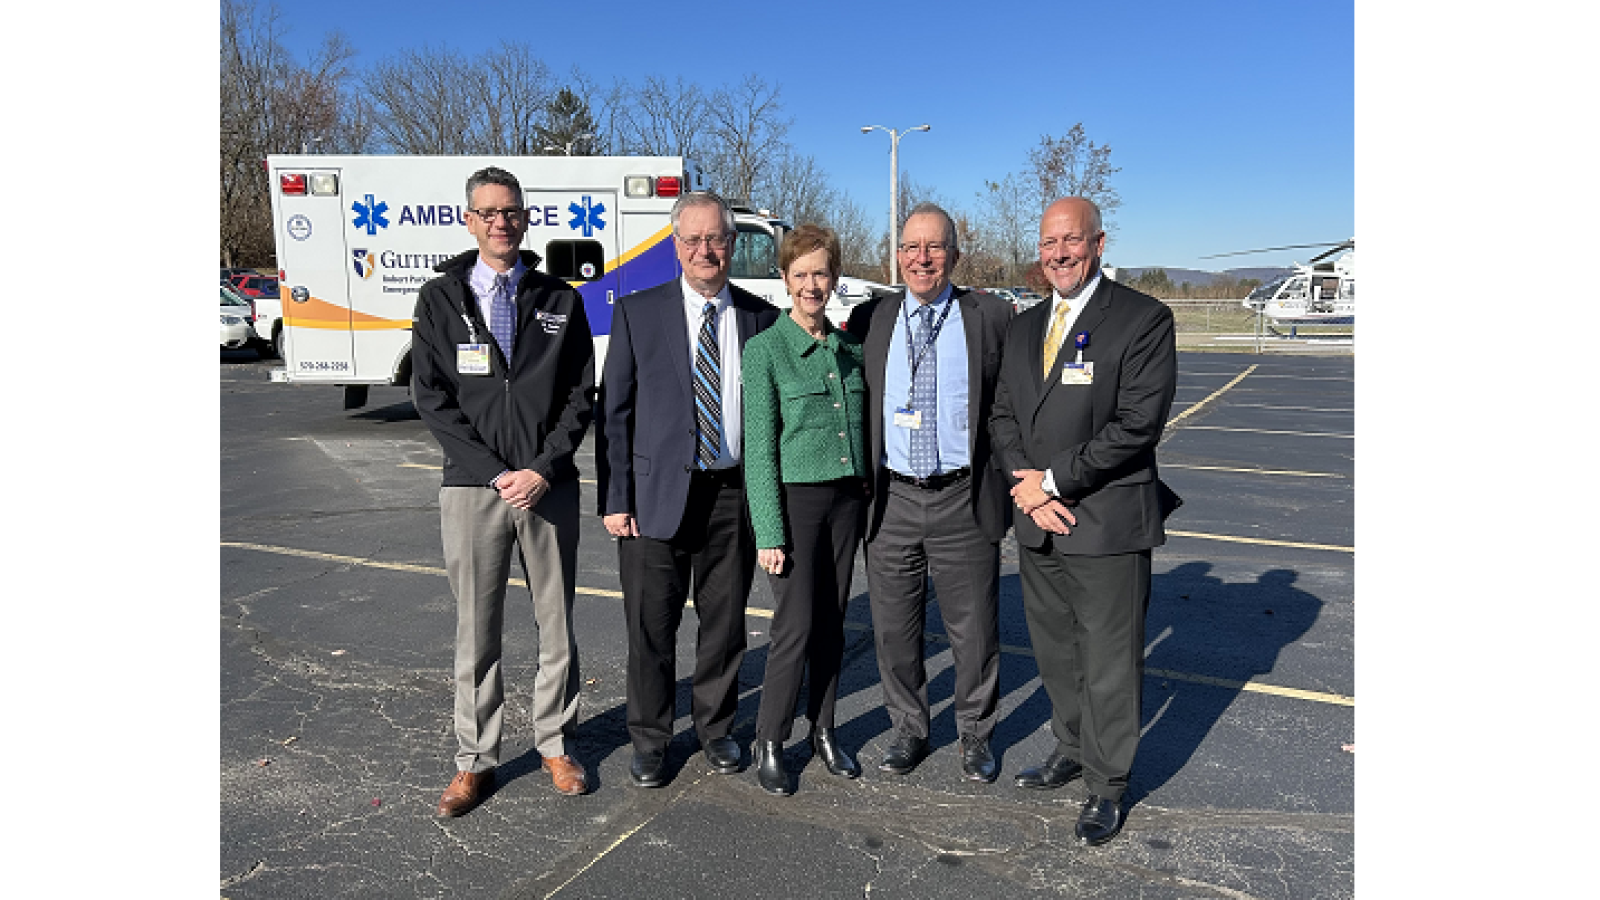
1214	395
379	564
1255	471
1260	541
760	612
1268	431
1254	687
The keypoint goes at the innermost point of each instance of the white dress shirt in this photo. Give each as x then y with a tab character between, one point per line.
728	346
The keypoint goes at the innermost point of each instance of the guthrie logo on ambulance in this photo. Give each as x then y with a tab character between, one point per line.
364	262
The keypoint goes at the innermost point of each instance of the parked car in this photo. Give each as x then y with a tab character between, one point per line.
1005	294
231	273
255	286
237	330
1026	299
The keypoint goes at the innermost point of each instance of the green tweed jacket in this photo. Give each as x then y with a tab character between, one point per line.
804	418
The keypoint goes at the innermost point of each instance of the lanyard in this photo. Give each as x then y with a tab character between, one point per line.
472	328
915	356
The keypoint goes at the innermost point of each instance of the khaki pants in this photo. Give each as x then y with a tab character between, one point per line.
480	531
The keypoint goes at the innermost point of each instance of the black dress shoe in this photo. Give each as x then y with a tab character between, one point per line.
1052	773
649	768
774	779
724	755
1100	820
977	763
904	754
826	745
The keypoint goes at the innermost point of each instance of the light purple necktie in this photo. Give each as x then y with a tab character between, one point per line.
503	314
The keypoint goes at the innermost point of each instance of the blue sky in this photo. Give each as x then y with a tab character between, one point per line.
1233	123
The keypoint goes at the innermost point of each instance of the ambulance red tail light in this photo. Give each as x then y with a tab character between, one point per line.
292	184
669	186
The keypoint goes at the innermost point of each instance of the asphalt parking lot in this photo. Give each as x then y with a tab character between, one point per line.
336	627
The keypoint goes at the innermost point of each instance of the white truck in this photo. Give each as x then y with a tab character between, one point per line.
357	236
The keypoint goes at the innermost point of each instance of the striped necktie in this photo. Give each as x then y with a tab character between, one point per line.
1053	337
708	389
503	314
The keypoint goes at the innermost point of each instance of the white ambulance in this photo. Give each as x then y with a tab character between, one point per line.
358	236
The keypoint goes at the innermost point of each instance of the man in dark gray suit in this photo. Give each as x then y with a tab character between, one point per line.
939	504
1084	393
670	484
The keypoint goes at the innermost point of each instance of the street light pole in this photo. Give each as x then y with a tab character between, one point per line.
581	137
894	190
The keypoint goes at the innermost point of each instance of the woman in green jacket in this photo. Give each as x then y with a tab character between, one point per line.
805	469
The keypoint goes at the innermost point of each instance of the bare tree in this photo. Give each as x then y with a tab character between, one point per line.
748	133
511	92
1074	166
422	99
1010	217
860	244
796	188
659	118
979	264
269	104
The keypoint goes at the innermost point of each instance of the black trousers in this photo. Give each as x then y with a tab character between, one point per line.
716	548
811	593
1086	622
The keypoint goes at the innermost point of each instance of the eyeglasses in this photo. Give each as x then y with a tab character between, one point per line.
1074	241
933	249
716	241
513	216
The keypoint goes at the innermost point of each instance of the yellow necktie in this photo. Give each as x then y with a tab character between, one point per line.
1052	338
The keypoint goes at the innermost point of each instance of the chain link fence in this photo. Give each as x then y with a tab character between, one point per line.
1231	326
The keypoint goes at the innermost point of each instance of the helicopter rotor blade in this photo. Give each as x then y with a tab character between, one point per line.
1271	249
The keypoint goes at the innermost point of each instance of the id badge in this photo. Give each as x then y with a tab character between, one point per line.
908	418
472	359
1077	373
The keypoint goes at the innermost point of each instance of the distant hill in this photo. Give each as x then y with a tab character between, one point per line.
1204	279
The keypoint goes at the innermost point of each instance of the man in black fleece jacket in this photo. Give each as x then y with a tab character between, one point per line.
503	374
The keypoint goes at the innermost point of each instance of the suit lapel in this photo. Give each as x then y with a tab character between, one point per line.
876	353
744	315
972	324
674	320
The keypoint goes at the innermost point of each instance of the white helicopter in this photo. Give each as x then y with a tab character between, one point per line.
1320	292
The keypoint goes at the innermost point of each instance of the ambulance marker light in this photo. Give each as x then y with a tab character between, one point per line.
669	186
294	185
324	184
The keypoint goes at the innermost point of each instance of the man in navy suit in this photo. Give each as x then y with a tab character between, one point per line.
671	487
1085	388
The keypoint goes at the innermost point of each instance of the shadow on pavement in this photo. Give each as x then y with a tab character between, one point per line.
1201	625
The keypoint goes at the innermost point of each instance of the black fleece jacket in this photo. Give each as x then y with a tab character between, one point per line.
530	412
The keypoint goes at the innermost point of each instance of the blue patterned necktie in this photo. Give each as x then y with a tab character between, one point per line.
925	398
503	314
708	390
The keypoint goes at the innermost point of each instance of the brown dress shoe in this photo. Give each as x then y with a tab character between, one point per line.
567	775
466	790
